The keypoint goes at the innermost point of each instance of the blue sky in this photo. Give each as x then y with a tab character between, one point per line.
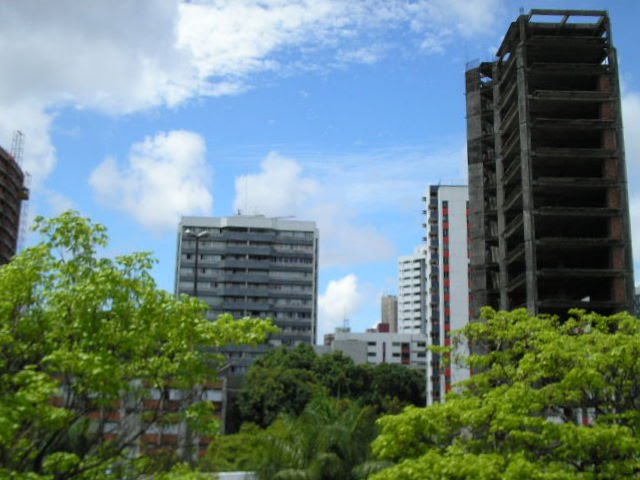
339	111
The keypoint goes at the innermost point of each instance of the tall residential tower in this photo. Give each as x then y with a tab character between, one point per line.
447	282
547	176
252	266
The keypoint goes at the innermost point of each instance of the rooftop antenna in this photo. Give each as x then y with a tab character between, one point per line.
345	320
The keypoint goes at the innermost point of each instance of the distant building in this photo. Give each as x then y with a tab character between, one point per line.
637	302
412	287
252	266
149	425
550	226
389	312
12	193
447	282
378	347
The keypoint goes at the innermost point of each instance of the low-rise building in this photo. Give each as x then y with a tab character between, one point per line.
382	347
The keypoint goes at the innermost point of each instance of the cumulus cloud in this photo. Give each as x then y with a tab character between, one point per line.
277	188
126	56
165	176
39	154
58	202
282	189
341	299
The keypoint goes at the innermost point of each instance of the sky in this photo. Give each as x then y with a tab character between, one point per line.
136	112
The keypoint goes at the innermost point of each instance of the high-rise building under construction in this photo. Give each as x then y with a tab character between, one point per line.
549	218
12	193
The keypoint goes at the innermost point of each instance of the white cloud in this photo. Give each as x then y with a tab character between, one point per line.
346	240
165	176
281	189
277	188
39	155
130	55
341	299
58	202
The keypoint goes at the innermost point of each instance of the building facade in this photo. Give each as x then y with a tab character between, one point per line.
374	348
447	283
412	292
389	312
12	193
549	221
252	266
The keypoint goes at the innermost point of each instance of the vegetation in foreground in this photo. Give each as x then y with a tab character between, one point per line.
550	399
80	335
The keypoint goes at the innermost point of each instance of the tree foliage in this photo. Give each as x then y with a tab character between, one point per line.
329	440
285	380
83	338
550	399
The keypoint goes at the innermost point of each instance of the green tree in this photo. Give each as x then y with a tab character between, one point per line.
394	387
328	441
285	380
551	399
238	452
82	337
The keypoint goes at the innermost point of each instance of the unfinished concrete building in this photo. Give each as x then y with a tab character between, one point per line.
549	219
12	193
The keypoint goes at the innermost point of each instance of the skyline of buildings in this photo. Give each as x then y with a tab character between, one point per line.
606	120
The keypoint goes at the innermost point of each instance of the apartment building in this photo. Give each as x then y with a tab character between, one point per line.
446	207
252	266
412	286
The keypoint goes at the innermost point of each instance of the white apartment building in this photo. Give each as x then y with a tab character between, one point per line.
447	282
381	347
412	292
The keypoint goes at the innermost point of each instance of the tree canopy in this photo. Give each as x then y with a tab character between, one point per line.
329	440
549	399
83	337
285	380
